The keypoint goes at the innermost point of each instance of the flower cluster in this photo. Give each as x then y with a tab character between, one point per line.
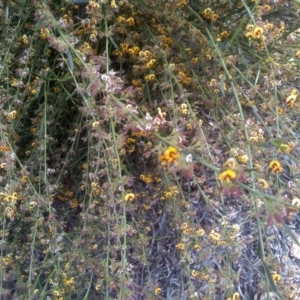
209	14
255	33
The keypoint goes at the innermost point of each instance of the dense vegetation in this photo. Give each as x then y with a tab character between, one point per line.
149	149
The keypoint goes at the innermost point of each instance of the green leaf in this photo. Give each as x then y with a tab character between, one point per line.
222	85
277	142
70	59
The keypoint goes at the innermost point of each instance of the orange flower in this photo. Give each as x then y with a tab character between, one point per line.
227	175
170	155
275	166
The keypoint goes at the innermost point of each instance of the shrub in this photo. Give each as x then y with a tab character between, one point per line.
148	149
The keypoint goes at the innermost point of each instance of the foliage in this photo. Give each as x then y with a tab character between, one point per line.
148	149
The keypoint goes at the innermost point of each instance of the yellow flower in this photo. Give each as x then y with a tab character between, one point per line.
257	165
147	179
32	205
157	291
24	39
121	19
258	31
249	35
170	155
44	33
284	148
150	77
69	282
200	232
182	3
130	197
12	115
113	4
95	124
262	183
197	247
150	63
291	100
12	198
179	247
130	21
227	175
160	113
276	277
215	237
188	231
250	27
214	17
243	159
275	166
236	296
134	51
230	163
294	92
208	57
10	212
184	225
146	207
266	8
269	26
207	12
184	107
